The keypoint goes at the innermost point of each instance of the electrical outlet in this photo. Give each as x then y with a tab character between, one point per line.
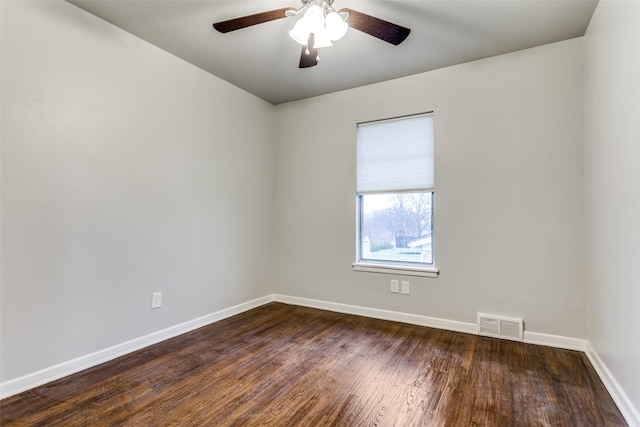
405	287
394	287
156	300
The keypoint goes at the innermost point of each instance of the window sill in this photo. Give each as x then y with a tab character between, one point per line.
396	269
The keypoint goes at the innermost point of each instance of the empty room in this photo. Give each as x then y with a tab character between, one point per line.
309	213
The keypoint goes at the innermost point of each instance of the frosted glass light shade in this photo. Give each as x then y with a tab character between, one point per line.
336	27
314	18
300	32
322	39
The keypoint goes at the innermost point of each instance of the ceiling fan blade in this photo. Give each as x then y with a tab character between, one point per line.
376	27
309	59
249	20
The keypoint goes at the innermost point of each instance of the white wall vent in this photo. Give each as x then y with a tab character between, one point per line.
500	327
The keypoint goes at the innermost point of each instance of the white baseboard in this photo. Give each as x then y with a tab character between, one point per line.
628	410
35	379
557	341
375	313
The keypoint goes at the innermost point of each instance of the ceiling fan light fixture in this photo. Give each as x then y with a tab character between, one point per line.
335	26
321	19
300	32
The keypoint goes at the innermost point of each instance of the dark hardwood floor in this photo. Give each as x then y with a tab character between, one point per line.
284	365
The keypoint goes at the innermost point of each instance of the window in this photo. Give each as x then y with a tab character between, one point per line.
395	187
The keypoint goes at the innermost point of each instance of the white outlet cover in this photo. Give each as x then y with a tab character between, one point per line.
156	300
405	287
394	286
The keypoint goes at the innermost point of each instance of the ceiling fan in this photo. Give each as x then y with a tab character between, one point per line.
320	25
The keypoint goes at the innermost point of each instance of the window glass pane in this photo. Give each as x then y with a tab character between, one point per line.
397	227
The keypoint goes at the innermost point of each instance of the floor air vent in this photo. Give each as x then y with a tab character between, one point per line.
500	327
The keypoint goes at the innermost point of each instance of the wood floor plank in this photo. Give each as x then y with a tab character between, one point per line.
282	365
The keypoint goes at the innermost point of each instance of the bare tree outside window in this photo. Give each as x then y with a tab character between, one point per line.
397	227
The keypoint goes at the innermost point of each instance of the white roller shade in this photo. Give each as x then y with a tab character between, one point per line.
395	155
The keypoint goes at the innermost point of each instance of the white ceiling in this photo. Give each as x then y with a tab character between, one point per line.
263	59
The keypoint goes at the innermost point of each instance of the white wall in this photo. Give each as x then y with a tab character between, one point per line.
125	170
612	191
509	228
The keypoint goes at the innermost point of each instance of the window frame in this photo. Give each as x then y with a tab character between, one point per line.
388	266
